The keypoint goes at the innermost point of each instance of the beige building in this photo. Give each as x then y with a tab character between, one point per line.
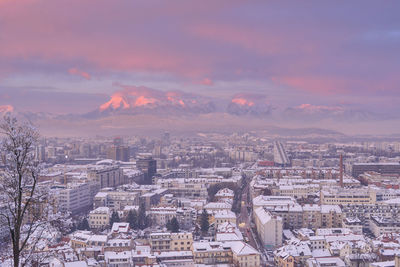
331	216
224	194
191	188
380	226
244	255
224	216
83	239
119	245
99	218
345	196
297	190
116	200
212	253
181	241
161	242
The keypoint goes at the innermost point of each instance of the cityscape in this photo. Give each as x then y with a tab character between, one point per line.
199	134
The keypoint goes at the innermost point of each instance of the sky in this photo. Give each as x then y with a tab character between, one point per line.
70	56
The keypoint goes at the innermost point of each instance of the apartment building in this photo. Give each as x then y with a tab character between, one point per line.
161	242
380	226
74	198
296	190
269	228
99	218
116	200
224	194
212	253
190	188
388	209
106	175
224	216
344	196
181	241
244	255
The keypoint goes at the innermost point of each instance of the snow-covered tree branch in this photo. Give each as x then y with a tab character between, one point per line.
21	198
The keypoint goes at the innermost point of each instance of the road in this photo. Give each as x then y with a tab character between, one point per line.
244	221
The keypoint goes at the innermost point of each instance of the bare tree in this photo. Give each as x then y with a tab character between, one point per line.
19	187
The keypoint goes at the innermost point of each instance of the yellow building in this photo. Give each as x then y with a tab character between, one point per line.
344	196
181	241
171	241
212	253
285	261
99	218
223	217
244	255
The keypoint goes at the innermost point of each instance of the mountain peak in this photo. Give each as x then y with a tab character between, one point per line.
140	99
6	109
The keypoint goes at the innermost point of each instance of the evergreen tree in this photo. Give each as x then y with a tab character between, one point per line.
168	225
143	220
114	218
204	224
73	228
133	219
173	225
83	225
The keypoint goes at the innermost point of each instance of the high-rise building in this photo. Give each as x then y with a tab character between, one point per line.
40	153
166	138
120	153
148	166
280	156
118	141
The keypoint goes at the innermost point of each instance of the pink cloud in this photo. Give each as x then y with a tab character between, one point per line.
318	108
315	84
243	102
75	71
225	40
206	81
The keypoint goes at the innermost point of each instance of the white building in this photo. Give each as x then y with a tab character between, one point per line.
75	197
269	227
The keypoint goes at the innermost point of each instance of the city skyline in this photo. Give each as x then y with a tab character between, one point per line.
199	133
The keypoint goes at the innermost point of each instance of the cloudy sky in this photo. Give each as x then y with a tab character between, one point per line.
71	56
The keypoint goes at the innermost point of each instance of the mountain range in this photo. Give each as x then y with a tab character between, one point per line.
142	109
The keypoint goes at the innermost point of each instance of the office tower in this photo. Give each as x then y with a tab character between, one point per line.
120	153
166	138
148	166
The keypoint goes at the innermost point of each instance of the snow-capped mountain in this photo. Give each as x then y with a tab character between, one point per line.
142	100
6	109
249	104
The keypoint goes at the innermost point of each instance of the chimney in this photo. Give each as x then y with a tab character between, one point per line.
341	171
